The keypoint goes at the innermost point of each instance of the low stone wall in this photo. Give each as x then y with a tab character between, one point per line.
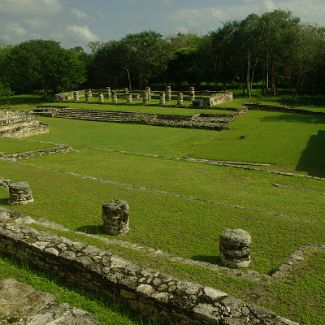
22	304
215	99
283	109
204	121
16	124
149	292
35	153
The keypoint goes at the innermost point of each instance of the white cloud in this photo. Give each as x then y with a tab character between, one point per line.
79	14
34	8
82	33
12	30
307	10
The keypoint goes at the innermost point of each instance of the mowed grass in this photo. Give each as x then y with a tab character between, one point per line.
10	145
181	207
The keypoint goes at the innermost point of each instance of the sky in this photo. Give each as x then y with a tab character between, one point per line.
78	22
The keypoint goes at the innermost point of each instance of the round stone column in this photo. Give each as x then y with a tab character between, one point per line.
101	98
192	94
20	193
168	93
115	215
114	97
129	98
235	248
162	98
76	96
108	92
180	99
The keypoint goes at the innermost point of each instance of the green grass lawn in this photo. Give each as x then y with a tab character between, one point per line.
10	145
182	207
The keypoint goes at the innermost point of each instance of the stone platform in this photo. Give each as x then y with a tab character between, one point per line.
20	304
18	124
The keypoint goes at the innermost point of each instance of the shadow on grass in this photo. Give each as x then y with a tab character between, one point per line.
114	305
23	99
91	229
207	258
300	118
312	159
4	201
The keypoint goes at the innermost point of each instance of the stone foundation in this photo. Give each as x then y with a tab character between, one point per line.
21	304
198	121
18	124
214	99
150	293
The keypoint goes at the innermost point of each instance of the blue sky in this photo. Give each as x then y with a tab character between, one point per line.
77	22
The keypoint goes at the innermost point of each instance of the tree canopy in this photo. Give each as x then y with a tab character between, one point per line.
273	50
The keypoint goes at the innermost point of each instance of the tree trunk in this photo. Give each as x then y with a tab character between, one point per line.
248	77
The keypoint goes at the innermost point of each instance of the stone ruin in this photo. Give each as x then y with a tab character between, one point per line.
115	217
235	248
199	99
20	193
18	124
22	304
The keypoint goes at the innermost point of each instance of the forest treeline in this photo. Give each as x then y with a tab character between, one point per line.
271	51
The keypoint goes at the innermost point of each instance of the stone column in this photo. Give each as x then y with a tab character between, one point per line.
108	92
168	93
145	97
90	94
148	90
180	99
114	97
76	96
87	97
115	217
126	91
162	98
101	98
192	94
20	193
58	98
235	248
129	98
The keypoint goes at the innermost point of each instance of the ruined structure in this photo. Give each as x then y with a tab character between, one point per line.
18	124
115	217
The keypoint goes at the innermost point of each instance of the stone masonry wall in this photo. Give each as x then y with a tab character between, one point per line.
17	124
205	121
152	294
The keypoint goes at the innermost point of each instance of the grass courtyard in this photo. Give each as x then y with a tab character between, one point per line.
181	207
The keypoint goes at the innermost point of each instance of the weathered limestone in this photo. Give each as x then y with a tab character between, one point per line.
20	193
87	96
235	248
108	92
148	292
18	124
148	90
21	302
101	98
162	98
76	96
145	97
168	93
129	98
115	217
192	94
114	96
180	99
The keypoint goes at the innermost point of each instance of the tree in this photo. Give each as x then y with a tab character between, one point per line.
42	65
